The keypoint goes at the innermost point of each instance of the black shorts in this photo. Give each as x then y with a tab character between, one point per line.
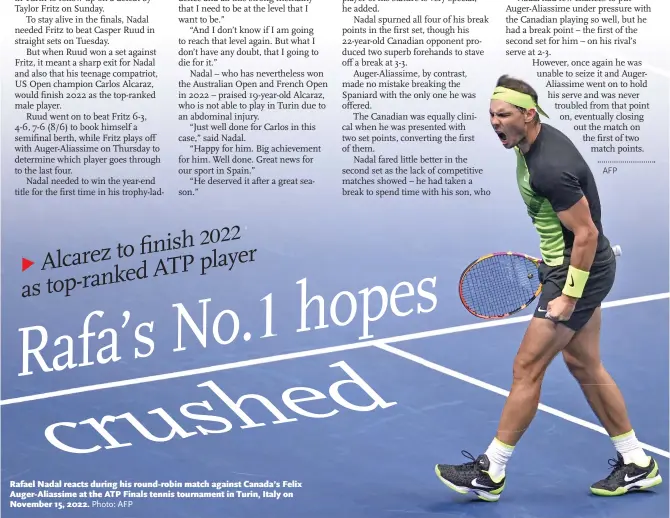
598	286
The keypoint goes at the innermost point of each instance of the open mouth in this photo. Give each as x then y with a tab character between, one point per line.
502	136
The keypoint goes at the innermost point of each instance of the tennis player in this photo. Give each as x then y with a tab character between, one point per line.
562	201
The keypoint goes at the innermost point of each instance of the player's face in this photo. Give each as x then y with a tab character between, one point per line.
508	122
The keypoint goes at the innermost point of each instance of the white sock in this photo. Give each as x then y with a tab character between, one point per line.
498	453
629	448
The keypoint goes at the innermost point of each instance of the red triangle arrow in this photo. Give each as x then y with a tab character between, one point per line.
25	264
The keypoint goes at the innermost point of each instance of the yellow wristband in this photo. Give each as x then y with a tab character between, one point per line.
574	284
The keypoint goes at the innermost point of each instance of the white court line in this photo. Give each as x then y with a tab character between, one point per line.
304	354
492	388
511	320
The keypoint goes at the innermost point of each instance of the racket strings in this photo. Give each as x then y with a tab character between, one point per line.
499	285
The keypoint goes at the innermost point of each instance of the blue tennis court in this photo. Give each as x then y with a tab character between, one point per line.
322	422
357	437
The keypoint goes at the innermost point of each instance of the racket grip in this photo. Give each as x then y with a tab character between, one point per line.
617	250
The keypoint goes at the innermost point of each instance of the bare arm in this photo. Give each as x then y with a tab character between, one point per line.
578	220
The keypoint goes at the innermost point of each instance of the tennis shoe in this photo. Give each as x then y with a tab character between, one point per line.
471	477
627	477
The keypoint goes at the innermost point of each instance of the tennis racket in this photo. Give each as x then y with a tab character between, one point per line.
503	283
